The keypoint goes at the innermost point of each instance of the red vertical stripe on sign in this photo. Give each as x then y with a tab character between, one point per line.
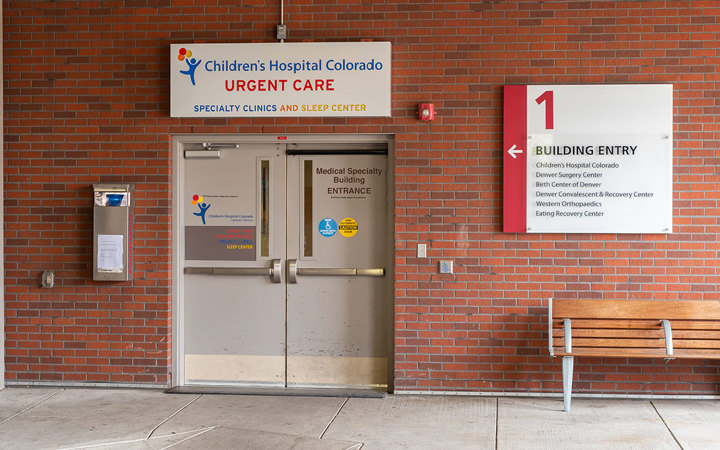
515	159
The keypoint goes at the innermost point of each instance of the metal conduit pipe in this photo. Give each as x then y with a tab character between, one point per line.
281	31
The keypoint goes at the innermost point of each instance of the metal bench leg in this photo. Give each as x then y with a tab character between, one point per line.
567	379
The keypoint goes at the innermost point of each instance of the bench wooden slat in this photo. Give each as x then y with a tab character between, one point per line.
613	352
696	334
637	309
641	353
639	324
695	343
620	333
636	343
640	333
609	342
607	323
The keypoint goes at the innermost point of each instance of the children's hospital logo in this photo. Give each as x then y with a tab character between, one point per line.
185	54
200	202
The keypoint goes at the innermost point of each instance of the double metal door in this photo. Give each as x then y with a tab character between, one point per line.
285	256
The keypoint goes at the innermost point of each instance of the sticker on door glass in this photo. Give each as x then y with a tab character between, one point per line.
348	227
328	227
211	243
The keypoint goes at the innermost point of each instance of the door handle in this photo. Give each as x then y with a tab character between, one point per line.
379	272
340	272
294	271
274	271
327	271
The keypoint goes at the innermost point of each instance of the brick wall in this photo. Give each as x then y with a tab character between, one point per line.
86	101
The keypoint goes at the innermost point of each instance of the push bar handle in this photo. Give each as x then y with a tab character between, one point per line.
294	271
340	272
274	271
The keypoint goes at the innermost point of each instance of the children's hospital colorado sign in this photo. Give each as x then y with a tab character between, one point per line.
587	159
348	79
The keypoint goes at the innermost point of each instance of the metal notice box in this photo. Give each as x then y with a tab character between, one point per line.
113	232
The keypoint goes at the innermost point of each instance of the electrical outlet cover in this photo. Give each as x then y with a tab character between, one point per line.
446	266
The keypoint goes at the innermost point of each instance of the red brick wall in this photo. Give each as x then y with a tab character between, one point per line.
86	101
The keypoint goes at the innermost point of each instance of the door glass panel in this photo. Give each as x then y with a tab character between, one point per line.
308	208
264	208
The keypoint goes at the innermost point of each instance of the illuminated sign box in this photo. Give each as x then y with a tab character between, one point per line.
587	159
348	79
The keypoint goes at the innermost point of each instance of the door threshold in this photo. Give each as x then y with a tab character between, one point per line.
279	391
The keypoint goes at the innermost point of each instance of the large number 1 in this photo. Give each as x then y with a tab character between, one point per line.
547	97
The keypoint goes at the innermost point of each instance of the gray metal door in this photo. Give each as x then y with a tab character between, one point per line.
233	211
338	313
284	267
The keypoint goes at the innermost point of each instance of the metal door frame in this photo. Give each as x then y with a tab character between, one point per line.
327	143
2	220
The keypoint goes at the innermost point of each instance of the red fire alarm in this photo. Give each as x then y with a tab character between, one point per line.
426	112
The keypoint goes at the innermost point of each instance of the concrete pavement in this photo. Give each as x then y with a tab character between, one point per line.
57	418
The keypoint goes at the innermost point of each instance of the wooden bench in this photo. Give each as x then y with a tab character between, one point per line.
631	329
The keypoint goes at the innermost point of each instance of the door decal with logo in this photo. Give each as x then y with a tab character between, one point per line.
210	243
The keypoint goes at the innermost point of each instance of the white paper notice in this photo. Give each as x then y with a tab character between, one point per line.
110	252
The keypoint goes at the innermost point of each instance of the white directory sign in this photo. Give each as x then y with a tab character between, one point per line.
338	79
588	159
